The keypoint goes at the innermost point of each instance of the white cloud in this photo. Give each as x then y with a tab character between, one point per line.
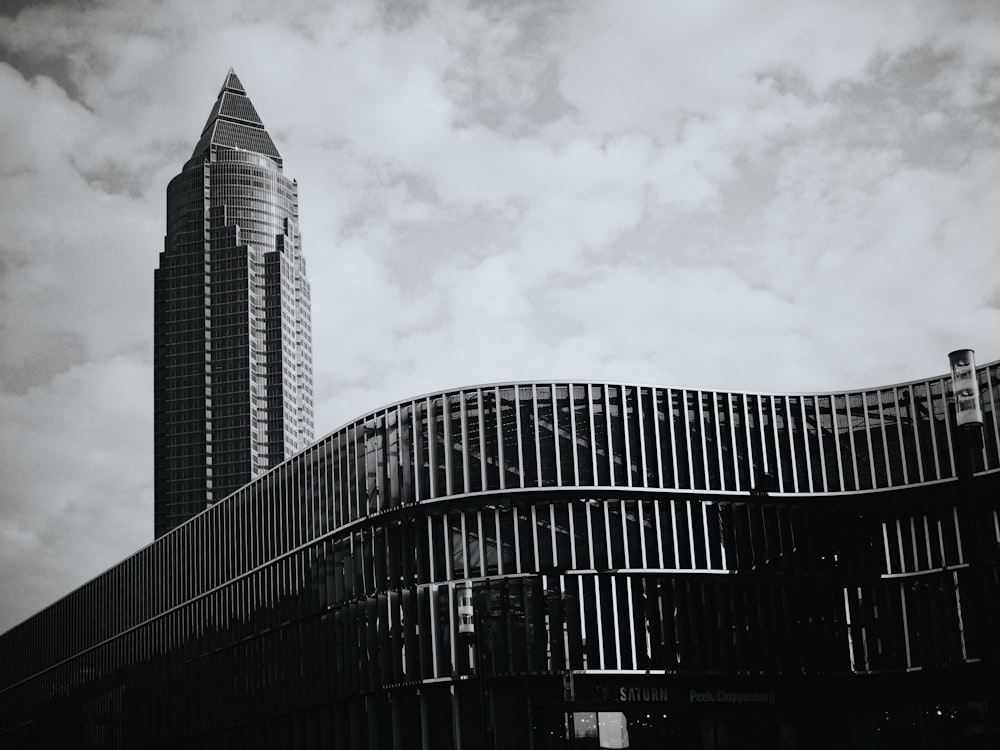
75	480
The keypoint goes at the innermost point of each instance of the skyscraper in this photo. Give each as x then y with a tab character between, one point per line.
233	342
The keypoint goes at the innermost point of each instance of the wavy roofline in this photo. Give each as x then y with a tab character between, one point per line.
630	384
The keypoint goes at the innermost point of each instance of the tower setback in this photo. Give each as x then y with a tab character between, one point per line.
233	343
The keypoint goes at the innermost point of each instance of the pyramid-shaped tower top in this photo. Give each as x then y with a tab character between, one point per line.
235	124
232	83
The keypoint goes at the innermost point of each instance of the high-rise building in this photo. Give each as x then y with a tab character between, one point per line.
233	342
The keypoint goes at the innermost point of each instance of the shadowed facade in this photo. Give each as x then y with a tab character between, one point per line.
556	565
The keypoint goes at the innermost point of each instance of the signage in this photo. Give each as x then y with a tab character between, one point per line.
622	694
718	696
732	697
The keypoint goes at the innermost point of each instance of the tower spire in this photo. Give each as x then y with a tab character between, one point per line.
232	83
235	124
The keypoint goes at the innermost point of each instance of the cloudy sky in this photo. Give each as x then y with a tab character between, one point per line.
745	195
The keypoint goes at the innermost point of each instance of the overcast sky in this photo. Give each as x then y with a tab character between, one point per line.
742	195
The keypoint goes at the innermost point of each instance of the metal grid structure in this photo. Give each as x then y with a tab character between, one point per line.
607	530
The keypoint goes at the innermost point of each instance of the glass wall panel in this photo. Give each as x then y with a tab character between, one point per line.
473	448
634	432
755	437
566	438
443	611
602	447
742	458
581	534
511	444
942	428
799	430
786	459
989	405
650	532
908	432
436	531
681	438
563	557
892	428
490	444
699	534
440	458
368	559
727	462
681	521
925	435
768	429
591	629
716	551
454	435
542	522
473	550
622	610
372	441
664	422
584	435
547	436
381	565
877	429
574	623
710	427
668	534
406	454
608	627
616	420
526	531
457	549
633	534
529	454
844	439
601	539
827	437
490	543
422	450
355	467
616	534
649	427
861	434
508	540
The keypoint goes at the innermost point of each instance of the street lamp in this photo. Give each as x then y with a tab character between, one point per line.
470	626
466	614
968	439
965	386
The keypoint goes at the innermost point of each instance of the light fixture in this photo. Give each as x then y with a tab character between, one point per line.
463	593
965	386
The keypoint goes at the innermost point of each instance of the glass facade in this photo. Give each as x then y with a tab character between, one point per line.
647	565
233	343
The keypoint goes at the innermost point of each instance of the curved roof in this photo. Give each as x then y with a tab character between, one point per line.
557	434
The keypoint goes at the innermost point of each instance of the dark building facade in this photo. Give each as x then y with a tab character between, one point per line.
557	565
233	341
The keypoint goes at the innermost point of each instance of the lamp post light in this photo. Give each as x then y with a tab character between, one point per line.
968	440
968	436
965	386
470	622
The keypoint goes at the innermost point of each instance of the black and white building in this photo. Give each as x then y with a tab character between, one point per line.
233	340
557	565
